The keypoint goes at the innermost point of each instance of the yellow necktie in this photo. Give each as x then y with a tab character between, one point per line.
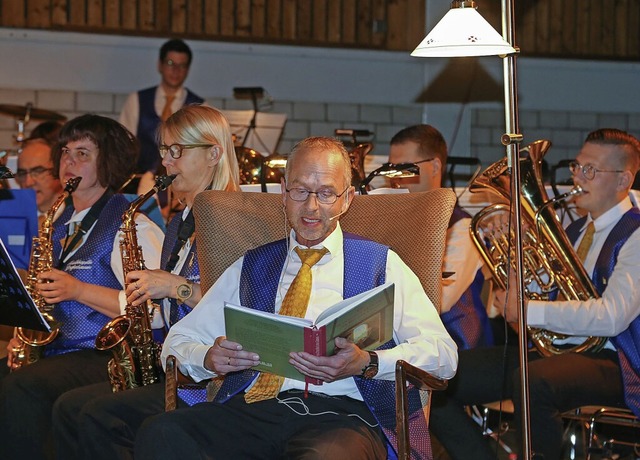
294	304
585	244
166	112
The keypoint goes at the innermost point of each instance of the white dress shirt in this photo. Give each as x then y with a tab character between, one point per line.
461	257
612	313
421	337
130	114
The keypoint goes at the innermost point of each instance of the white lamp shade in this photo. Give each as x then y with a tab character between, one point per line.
463	32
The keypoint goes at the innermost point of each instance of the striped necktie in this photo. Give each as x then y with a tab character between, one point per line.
294	304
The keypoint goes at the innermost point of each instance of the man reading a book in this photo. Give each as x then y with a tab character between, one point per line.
351	414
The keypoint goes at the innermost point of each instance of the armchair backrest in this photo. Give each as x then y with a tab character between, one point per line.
413	225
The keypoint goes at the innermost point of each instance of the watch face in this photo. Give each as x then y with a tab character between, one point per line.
184	291
370	371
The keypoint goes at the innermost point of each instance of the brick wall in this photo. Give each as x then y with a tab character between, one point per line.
566	131
303	118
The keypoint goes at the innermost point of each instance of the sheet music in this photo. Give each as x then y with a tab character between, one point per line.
16	305
264	137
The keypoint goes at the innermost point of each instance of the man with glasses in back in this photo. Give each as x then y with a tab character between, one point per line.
34	171
607	242
145	109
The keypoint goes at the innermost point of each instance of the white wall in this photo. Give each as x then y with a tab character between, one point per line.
112	64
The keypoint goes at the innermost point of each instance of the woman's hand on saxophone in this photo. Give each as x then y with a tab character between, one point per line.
143	285
57	286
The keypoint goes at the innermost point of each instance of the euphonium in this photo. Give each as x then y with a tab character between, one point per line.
41	260
136	356
550	264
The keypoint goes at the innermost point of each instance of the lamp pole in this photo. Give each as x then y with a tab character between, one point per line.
511	140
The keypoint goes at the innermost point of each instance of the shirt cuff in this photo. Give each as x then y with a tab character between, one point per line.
199	372
535	313
122	300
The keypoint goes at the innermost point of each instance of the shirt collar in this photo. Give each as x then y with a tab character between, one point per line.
611	216
333	242
178	94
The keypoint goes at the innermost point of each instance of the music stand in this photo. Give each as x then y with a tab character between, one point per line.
16	305
261	134
18	223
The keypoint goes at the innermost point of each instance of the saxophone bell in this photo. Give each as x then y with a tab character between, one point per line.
136	356
33	342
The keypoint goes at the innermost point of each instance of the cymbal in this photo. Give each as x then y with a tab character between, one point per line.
22	111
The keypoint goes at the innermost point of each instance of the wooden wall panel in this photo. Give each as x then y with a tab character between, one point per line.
39	14
211	18
112	14
594	29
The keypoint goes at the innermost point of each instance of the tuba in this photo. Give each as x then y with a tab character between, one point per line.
136	356
550	264
33	342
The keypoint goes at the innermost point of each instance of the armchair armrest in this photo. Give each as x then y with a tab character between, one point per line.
407	373
174	379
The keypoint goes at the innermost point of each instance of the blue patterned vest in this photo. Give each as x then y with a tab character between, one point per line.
628	341
148	123
258	286
467	322
190	270
79	324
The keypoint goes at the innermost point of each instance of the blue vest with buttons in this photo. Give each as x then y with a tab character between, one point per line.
467	322
258	287
91	263
190	270
148	123
628	341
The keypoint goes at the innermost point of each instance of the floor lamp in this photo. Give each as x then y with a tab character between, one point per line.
464	32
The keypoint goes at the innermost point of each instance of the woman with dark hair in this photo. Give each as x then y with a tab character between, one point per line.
93	422
85	284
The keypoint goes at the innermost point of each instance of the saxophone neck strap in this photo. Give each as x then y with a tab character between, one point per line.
84	226
185	230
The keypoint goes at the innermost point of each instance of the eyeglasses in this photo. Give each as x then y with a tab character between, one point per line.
35	173
589	171
173	64
323	196
175	150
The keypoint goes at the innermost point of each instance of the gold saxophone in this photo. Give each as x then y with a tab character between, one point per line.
136	356
549	260
33	342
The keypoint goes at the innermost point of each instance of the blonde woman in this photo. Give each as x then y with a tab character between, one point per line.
195	146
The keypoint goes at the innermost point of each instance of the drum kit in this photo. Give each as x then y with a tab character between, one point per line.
23	114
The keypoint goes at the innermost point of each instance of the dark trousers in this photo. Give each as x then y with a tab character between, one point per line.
556	384
326	428
28	394
94	423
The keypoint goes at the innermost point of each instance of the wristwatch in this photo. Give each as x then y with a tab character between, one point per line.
370	370
184	291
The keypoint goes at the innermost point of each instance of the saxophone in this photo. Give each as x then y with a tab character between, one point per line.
136	356
550	263
33	342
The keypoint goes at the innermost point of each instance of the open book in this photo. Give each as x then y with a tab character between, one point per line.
365	319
